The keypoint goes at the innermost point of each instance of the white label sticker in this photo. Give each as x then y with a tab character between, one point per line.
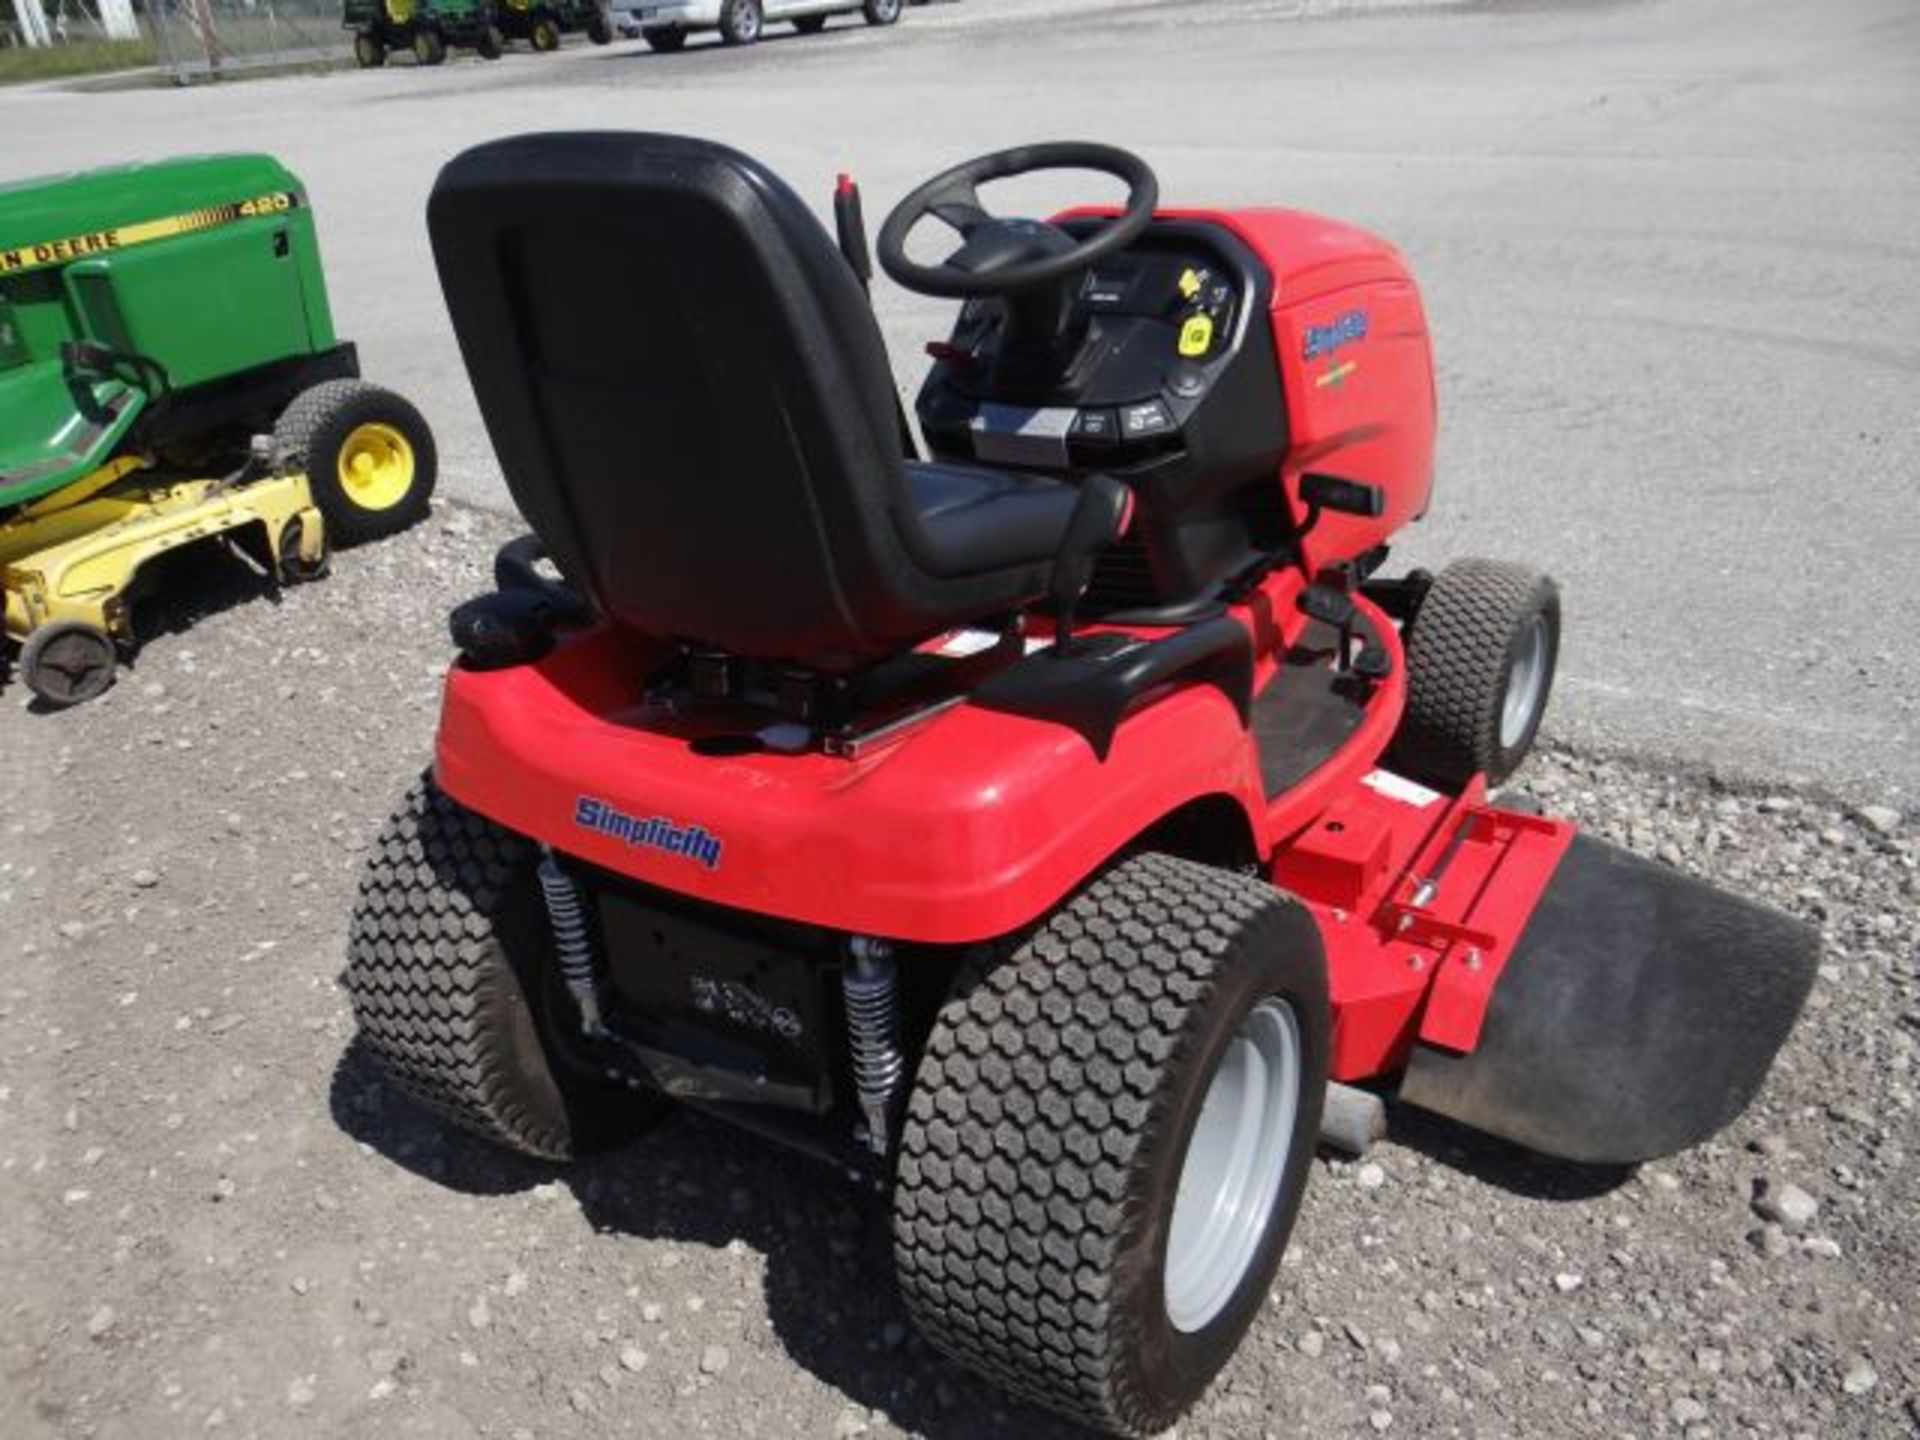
1398	787
961	643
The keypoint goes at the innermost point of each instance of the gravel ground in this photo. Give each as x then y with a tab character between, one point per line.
216	1220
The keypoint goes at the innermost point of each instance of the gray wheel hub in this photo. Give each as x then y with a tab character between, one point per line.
1230	1177
1525	685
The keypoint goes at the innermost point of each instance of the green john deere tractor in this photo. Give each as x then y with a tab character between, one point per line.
428	28
169	375
542	23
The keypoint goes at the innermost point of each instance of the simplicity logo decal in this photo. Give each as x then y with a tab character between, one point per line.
1325	339
655	833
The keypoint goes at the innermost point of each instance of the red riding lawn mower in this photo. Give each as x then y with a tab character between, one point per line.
1035	830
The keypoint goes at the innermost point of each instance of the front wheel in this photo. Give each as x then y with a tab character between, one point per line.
881	12
67	662
429	47
298	558
1481	652
368	456
491	44
544	34
368	52
600	29
740	22
1109	1138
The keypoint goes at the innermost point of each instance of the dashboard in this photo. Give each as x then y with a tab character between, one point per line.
1154	326
1166	377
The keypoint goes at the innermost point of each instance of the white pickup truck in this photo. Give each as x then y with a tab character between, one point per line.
665	24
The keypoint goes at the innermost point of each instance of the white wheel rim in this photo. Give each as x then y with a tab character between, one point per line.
1230	1176
1525	685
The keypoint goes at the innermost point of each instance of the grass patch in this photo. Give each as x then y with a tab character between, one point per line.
83	57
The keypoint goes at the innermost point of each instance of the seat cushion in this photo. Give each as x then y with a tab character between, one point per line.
974	521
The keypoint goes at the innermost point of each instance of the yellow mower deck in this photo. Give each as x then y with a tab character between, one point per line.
73	556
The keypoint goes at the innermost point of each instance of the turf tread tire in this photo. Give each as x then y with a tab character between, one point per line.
441	1004
1458	656
1047	1077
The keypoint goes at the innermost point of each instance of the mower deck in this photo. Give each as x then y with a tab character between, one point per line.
74	556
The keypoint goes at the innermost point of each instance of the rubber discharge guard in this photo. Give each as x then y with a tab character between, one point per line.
1636	1017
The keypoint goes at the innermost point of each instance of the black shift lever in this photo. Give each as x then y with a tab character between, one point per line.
851	227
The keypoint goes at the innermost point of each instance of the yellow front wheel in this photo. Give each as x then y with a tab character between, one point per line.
368	456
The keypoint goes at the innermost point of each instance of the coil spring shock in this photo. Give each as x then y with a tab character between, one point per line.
572	947
871	989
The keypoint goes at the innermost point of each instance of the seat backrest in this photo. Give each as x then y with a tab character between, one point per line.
685	388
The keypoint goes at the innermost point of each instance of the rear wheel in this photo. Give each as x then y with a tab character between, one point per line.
740	22
600	28
455	993
368	456
368	52
881	12
810	24
67	662
1108	1140
491	44
665	41
1481	653
429	47
544	34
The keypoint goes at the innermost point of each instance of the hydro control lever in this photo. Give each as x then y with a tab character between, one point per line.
1344	497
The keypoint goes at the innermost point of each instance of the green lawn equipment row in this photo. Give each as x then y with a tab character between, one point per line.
430	28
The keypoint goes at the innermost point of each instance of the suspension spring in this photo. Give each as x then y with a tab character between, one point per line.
572	945
870	985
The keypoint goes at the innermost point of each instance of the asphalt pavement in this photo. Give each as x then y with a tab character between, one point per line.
1668	252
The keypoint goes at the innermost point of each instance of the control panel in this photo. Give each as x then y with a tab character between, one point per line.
1163	373
1149	333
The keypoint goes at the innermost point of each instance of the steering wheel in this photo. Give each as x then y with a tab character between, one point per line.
998	256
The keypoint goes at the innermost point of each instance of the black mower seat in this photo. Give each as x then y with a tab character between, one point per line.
974	521
692	405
